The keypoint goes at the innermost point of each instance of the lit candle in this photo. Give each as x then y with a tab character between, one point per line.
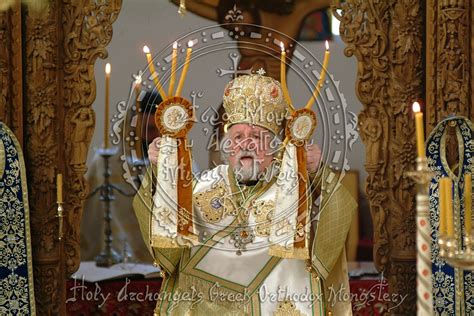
468	204
107	105
174	58
185	69
157	82
137	87
59	188
449	207
286	94
315	94
420	135
442	206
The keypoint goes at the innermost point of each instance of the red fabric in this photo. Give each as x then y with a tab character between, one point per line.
138	297
122	297
369	297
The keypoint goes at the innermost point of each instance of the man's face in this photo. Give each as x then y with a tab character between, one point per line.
249	149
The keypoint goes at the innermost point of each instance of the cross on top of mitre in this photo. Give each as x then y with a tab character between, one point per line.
261	72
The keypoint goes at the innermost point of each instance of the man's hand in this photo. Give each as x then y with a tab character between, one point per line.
153	150
313	157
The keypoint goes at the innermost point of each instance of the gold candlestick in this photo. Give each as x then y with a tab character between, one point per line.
454	255
458	258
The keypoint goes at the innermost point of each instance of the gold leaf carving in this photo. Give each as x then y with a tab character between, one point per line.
63	40
386	37
449	59
87	27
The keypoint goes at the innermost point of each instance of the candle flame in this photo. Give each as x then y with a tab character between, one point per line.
416	107
282	46
327	45
107	68
175	45
146	50
190	44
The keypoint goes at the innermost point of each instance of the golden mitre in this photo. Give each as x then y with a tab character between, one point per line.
256	100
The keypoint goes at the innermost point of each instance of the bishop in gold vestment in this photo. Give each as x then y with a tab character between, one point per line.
236	265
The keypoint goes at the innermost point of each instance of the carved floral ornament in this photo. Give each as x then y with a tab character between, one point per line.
386	37
52	109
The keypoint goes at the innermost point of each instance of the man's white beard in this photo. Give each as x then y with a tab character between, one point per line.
246	173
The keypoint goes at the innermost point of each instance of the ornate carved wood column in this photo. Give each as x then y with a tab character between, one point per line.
11	93
386	37
47	89
449	59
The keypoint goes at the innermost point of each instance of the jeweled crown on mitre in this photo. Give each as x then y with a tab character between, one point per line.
257	100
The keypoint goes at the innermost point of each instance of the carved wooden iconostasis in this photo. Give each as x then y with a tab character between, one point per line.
406	50
47	56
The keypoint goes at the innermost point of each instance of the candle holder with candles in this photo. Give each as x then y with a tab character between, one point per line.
108	256
174	118
449	247
450	213
422	176
455	256
459	258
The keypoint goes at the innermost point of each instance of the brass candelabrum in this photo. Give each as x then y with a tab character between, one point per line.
451	247
458	257
108	255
